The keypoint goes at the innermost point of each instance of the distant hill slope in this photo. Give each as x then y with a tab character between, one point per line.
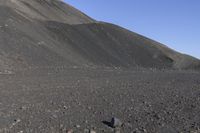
54	10
55	34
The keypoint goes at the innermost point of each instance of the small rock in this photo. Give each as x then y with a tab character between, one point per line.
115	122
89	108
144	130
157	116
92	131
17	121
86	121
65	107
89	131
77	126
69	131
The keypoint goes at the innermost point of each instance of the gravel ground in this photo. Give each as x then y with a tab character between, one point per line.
85	101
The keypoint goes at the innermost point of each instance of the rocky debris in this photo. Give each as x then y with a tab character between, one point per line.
27	102
6	72
115	122
16	121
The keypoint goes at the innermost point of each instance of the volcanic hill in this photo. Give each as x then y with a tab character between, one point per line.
41	33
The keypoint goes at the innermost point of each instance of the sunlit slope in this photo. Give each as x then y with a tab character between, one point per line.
72	39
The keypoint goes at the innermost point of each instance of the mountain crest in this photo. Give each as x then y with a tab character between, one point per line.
51	10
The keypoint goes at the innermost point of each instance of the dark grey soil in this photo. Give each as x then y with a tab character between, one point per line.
54	100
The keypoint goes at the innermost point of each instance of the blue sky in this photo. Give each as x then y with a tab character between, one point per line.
175	23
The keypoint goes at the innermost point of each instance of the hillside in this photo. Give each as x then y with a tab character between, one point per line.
41	33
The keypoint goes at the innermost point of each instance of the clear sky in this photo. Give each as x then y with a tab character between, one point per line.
175	23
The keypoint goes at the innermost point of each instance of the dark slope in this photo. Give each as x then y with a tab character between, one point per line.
110	45
72	39
54	10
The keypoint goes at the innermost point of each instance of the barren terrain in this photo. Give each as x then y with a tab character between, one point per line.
61	70
54	100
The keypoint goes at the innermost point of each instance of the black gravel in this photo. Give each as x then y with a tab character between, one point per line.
82	100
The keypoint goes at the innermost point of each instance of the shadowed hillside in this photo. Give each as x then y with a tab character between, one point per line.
40	33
